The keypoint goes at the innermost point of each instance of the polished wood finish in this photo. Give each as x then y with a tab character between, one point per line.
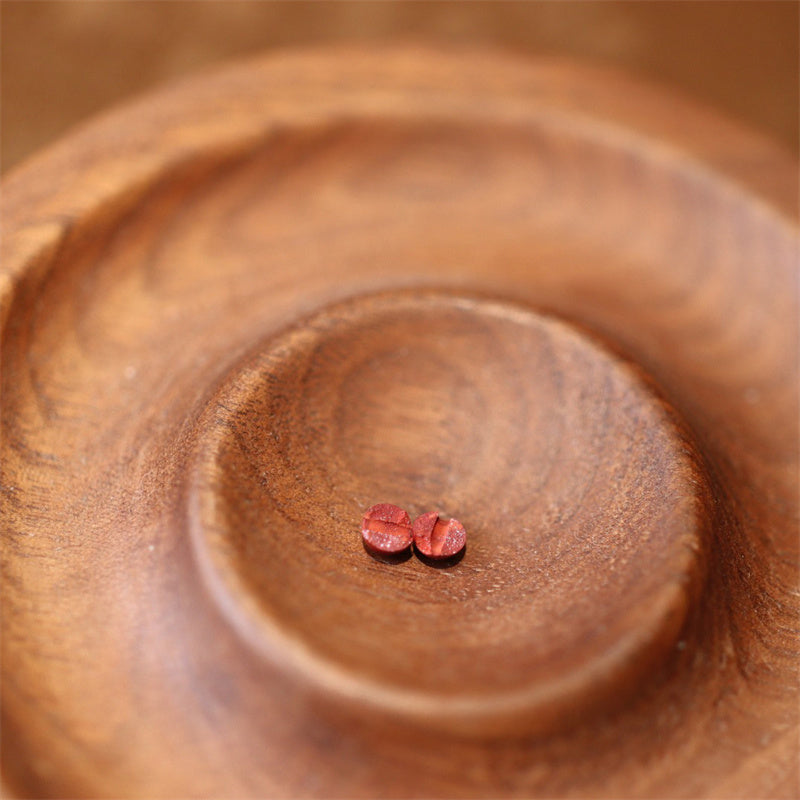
540	298
66	59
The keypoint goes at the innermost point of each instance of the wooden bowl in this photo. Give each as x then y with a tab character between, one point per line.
542	298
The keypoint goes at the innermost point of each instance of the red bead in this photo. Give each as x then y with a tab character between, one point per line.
386	529
438	538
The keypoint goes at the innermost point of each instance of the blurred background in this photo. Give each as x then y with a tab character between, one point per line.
63	61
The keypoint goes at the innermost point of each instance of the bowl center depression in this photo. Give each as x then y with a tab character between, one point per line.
578	492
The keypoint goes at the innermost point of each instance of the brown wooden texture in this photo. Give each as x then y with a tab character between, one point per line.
62	60
539	298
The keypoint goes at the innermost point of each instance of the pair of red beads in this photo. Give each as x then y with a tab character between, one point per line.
387	530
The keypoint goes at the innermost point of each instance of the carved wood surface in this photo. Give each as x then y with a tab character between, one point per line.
541	298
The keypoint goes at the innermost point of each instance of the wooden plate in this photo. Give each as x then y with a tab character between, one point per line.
541	298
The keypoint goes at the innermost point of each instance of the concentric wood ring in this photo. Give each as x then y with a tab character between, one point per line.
543	299
585	505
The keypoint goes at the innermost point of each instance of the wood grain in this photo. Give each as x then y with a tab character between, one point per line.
543	299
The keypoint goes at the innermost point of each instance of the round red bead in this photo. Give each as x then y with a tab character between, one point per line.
386	529
435	537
